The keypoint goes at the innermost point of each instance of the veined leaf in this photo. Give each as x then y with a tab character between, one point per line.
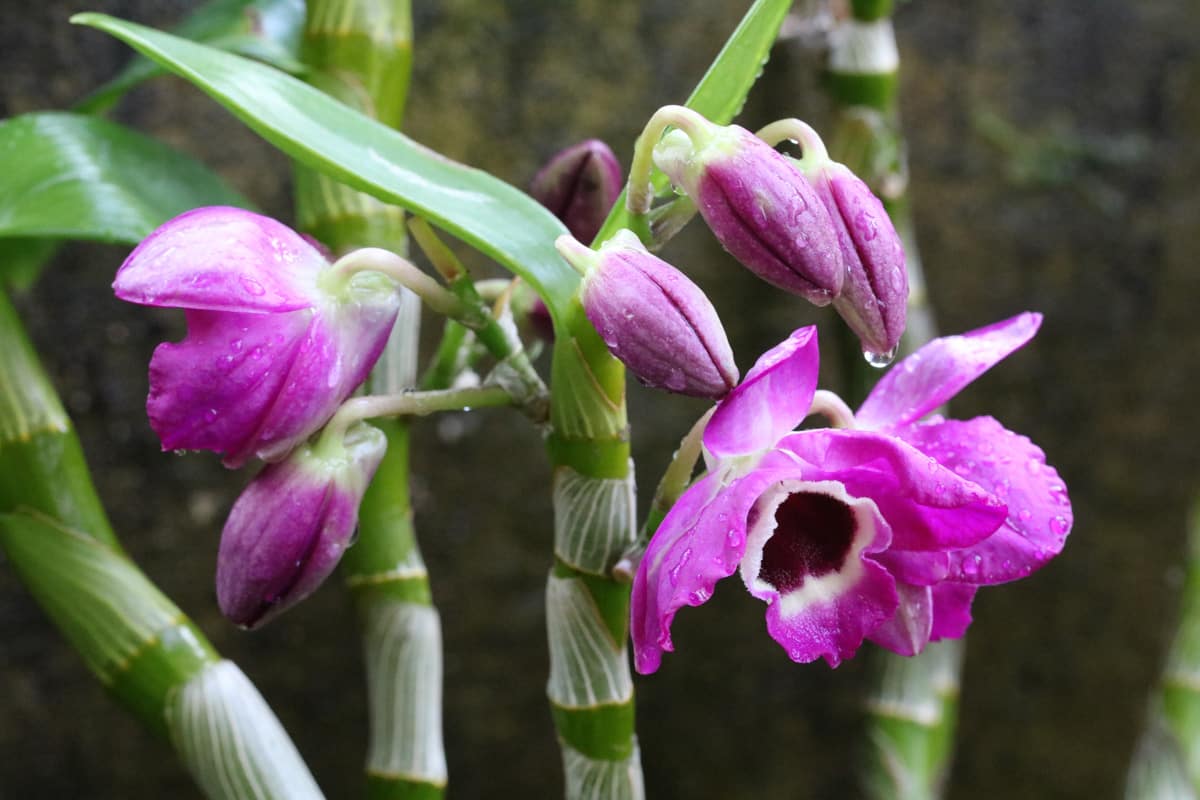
326	135
483	211
70	176
268	30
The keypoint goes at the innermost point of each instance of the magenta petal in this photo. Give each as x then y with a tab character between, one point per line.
909	629
834	630
336	354
951	610
928	506
1015	470
701	541
771	400
212	390
940	369
222	259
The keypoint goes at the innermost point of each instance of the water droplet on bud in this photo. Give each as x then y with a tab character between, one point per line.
880	360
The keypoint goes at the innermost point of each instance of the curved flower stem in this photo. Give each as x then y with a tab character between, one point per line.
640	192
410	404
833	408
798	131
403	272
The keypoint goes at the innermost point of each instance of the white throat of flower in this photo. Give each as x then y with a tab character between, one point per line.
814	589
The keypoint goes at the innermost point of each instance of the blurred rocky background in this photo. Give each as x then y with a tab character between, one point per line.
1054	164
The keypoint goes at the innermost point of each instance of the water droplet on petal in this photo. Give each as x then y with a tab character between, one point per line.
1059	525
1026	514
211	415
673	574
252	286
879	360
970	566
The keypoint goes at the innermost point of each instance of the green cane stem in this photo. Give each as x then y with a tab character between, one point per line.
1167	762
361	51
140	646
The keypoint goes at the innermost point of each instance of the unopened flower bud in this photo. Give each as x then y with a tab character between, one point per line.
874	298
758	206
655	320
290	526
579	185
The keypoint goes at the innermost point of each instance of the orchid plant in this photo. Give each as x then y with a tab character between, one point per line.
877	525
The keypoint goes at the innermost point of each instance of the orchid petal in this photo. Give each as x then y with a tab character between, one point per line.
1014	469
335	356
940	370
951	610
909	629
700	541
928	506
211	391
771	400
222	259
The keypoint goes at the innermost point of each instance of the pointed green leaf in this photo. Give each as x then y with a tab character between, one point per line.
268	30
69	176
323	134
73	176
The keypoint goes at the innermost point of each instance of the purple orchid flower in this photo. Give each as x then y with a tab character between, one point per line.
276	338
881	531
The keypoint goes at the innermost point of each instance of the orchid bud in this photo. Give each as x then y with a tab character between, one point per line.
277	338
762	210
653	319
579	185
290	526
874	298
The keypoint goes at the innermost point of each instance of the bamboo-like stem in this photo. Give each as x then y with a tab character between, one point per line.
361	52
587	611
914	710
140	646
1167	762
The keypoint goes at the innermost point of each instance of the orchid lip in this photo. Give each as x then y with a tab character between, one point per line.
805	542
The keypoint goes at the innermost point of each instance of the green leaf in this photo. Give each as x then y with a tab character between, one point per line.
321	133
78	177
268	30
722	91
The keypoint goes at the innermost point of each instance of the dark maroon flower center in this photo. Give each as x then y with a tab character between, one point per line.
813	534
